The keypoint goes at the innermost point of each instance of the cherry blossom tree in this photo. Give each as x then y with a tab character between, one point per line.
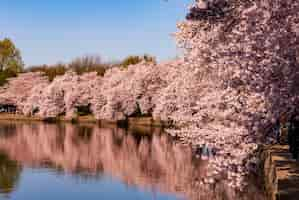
239	72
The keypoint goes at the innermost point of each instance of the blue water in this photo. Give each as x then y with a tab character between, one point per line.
40	161
45	184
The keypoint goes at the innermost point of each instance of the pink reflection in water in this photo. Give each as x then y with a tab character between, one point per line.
147	159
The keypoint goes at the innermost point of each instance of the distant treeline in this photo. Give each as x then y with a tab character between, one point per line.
11	63
79	65
86	64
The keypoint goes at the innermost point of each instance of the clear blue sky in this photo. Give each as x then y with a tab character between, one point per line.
48	31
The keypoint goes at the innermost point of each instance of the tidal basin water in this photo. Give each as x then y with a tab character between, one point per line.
40	161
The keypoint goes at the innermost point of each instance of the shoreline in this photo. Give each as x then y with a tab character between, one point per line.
138	121
277	170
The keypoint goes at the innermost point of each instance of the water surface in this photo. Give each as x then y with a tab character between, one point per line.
66	161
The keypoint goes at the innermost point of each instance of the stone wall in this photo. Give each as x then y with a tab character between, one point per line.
281	173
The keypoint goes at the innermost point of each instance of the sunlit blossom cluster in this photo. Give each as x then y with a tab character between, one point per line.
120	93
242	58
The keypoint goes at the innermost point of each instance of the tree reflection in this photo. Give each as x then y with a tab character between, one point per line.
138	156
9	174
7	129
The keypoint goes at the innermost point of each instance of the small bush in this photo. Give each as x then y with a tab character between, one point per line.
133	60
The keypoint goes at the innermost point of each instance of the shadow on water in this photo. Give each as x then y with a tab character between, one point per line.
139	157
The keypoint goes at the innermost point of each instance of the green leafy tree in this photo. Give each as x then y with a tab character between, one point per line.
10	57
10	60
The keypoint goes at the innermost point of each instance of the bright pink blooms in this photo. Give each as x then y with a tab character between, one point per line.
238	74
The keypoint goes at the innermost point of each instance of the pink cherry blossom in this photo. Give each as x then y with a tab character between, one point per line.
239	72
